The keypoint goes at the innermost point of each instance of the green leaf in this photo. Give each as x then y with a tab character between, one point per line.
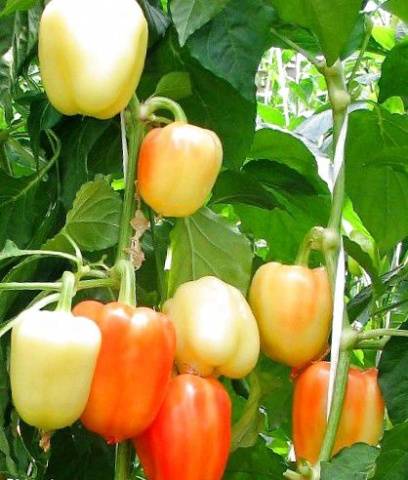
175	85
394	77
25	38
10	250
4	383
42	117
79	137
232	45
394	377
392	464
398	8
385	36
354	463
332	22
24	203
13	6
288	150
206	244
246	429
258	462
190	15
376	173
271	115
93	221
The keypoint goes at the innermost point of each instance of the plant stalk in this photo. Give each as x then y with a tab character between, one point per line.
135	130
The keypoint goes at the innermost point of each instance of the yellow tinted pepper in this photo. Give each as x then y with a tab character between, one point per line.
216	331
92	54
53	357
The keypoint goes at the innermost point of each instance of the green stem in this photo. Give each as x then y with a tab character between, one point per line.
162	103
340	100
336	408
369	28
291	475
67	292
56	286
127	292
33	286
312	241
122	460
123	265
135	130
372	344
158	260
382	332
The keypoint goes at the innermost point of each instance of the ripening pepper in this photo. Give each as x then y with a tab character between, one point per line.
177	168
361	420
53	357
133	369
92	54
216	330
191	435
293	308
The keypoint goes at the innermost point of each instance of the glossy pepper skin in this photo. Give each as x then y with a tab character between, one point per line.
293	307
92	54
216	331
133	368
361	420
191	435
177	168
53	358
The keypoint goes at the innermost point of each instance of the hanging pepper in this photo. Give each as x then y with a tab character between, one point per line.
191	435
53	357
293	307
216	330
133	368
361	420
92	54
177	168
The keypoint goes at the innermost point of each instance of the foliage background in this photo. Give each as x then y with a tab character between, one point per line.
227	62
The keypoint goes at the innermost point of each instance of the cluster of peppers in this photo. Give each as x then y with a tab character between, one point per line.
112	365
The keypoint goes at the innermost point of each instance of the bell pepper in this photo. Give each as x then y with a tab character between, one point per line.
53	357
216	330
177	168
92	54
293	307
361	420
191	435
133	369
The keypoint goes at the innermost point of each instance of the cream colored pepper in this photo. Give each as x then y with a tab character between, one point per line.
53	357
92	54
216	331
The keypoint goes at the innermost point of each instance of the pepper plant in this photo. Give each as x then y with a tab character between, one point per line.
200	181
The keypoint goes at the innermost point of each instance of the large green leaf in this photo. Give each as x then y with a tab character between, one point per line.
206	244
332	22
190	15
79	136
354	463
24	203
93	221
392	464
377	174
13	6
394	77
232	45
394	378
258	462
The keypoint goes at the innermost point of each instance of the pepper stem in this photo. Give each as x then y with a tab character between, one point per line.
162	103
67	292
